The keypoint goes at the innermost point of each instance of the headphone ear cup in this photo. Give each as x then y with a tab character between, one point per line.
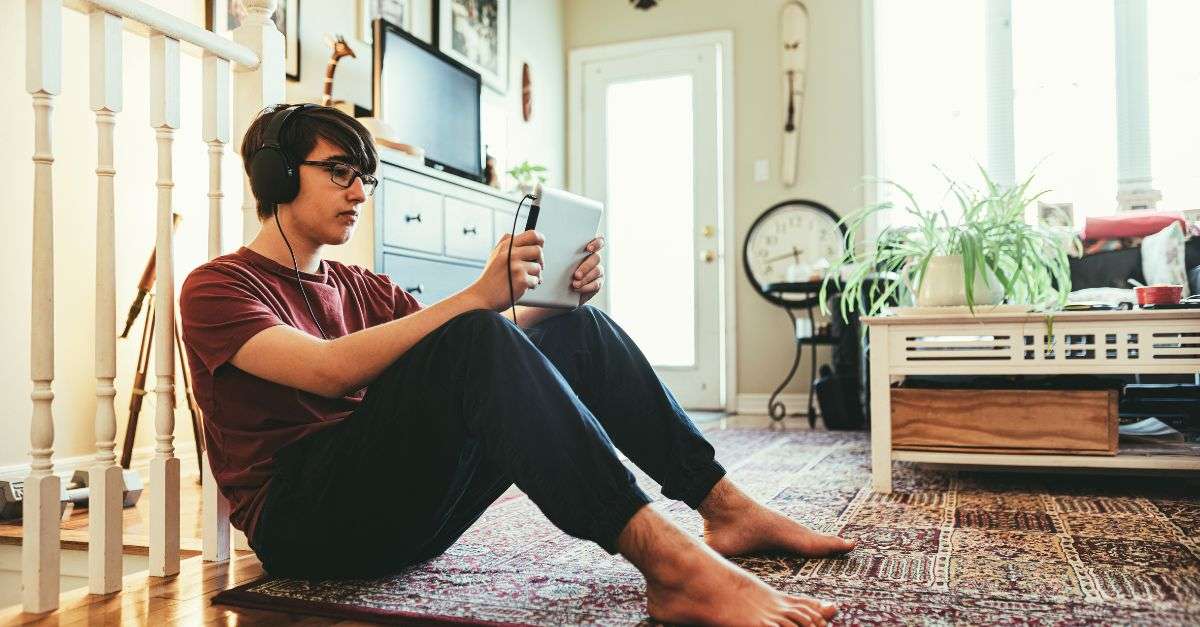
272	178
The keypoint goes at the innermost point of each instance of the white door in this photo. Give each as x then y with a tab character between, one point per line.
652	151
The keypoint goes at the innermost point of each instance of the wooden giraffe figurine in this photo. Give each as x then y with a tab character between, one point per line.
340	49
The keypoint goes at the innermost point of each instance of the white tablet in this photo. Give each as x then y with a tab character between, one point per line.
569	223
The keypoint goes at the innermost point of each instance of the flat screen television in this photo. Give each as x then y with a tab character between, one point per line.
428	99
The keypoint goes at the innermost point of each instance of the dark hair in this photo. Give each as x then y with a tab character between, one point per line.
300	135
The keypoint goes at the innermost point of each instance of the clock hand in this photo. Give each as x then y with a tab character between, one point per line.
795	254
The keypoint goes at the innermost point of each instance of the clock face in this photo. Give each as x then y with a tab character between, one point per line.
792	243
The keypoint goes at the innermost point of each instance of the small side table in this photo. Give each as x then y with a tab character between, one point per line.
793	296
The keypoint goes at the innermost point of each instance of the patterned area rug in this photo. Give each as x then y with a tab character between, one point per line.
944	548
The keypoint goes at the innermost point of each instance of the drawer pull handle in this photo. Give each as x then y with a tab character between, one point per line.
420	288
416	218
472	230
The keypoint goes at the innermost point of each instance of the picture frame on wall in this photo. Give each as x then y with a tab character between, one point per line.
398	12
222	16
475	33
1060	214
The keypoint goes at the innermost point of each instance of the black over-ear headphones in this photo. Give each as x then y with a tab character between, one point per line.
274	179
273	176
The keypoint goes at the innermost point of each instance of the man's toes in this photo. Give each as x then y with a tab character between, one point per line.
804	615
833	545
823	608
843	545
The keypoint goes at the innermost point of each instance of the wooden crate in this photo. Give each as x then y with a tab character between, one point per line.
1082	422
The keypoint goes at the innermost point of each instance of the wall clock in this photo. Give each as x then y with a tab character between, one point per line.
793	241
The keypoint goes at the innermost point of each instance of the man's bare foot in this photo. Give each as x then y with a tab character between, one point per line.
735	524
687	582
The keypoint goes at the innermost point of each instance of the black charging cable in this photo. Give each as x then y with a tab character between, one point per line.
296	267
512	295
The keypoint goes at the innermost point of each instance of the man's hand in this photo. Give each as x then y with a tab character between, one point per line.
589	276
492	288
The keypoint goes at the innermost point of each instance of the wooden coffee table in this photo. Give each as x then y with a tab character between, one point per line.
1103	342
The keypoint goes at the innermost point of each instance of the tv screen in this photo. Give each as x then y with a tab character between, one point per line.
429	100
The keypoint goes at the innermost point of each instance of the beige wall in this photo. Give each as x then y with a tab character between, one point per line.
536	37
831	162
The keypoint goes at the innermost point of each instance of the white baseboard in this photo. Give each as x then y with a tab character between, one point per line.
140	461
796	403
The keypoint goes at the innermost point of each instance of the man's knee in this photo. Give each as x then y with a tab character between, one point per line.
588	314
480	319
483	330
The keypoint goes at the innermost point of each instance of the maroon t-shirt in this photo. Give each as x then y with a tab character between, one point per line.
247	420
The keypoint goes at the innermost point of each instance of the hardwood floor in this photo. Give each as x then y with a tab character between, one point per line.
136	523
186	597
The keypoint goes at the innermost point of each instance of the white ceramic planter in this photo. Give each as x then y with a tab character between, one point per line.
942	285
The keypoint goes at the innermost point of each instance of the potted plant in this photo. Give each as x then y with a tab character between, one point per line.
529	176
986	256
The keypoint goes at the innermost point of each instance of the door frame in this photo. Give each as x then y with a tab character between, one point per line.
726	246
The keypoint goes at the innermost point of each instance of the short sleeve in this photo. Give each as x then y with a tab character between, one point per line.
403	302
220	312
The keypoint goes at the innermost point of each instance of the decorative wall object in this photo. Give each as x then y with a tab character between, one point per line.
475	32
222	16
526	93
793	35
398	12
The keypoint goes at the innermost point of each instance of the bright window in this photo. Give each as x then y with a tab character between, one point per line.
932	69
1174	49
932	105
1065	103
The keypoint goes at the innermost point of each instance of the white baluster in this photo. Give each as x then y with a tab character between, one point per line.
215	507
164	468
257	88
216	133
105	483
41	544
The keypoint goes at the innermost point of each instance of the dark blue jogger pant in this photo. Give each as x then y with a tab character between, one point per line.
475	406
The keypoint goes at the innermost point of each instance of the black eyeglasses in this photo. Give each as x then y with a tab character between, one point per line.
343	175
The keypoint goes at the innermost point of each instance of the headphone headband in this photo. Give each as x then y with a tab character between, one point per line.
275	127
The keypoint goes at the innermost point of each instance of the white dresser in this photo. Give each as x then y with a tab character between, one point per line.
433	231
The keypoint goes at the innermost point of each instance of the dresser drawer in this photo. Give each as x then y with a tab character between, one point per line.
503	221
468	229
428	281
412	217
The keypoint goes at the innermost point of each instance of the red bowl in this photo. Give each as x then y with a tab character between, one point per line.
1158	294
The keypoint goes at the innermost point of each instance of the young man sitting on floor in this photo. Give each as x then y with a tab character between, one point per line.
356	431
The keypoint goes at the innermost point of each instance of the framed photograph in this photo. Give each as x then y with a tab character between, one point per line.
398	12
475	33
1060	214
222	16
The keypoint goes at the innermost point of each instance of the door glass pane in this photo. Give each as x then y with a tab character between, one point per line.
651	268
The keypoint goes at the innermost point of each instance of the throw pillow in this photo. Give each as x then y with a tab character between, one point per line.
1162	258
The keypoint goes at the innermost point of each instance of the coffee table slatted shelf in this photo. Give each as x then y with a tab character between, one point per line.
1100	342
